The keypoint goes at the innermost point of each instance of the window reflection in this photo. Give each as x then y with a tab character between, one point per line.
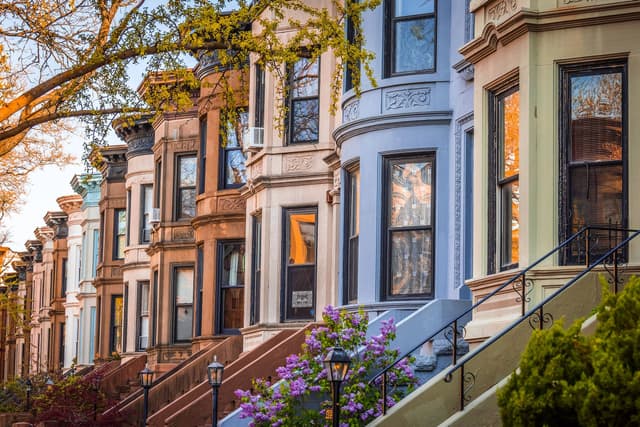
234	159
304	104
412	36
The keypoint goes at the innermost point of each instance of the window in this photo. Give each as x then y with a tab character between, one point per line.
256	261
157	185
128	217
115	339
92	332
120	234
199	272
350	79
61	345
408	221
146	202
469	22
593	165
202	164
96	252
504	185
183	303
233	173
468	204
63	290
101	235
125	316
299	259
352	232
230	286
258	117
303	101
410	36
143	316
154	318
185	195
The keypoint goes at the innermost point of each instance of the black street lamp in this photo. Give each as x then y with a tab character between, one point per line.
28	385
146	380
214	372
337	364
95	382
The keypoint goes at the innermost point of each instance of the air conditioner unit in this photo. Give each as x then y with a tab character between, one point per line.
155	216
253	139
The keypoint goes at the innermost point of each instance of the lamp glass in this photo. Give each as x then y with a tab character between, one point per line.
214	372
146	377
337	364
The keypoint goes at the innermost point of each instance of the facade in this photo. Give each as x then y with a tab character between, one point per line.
111	252
405	161
290	215
72	207
34	248
135	270
88	187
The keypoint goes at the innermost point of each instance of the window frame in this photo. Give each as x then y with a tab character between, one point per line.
224	150
141	235
113	326
177	188
387	160
175	306
256	268
199	286
291	100
566	72
389	37
496	182
140	314
286	212
117	235
258	115
350	34
220	287
350	265
202	156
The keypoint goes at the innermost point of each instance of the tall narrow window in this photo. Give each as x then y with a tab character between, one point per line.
258	119
125	316
256	266
202	159
101	236
128	240
199	287
185	194
468	204
352	232
120	233
409	227
183	303
593	155
143	316
469	22
146	202
96	251
351	78
504	188
61	344
230	286
299	259
410	36
92	332
157	184
303	101
63	288
154	318
115	341
234	172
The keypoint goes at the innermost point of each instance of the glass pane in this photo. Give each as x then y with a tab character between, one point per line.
596	117
413	7
233	264
595	196
509	111
184	322
121	242
411	269
510	221
184	285
304	81
233	301
187	203
305	116
352	274
236	172
235	131
354	198
117	311
187	171
411	194
144	298
415	47
302	238
122	221
300	298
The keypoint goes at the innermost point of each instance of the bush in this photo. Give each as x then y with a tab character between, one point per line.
568	379
289	404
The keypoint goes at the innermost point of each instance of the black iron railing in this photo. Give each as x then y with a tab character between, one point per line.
582	244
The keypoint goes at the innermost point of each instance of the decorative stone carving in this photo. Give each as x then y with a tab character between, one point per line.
407	98
457	240
351	111
500	10
182	234
189	145
234	204
256	170
298	163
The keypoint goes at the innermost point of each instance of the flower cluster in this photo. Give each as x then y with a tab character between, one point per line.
303	394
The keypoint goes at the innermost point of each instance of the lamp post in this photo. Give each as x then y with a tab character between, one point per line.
337	364
49	383
214	372
146	379
28	385
95	382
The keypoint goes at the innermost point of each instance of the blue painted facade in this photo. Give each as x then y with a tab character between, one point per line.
424	113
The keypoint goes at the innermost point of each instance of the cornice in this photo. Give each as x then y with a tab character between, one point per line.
43	234
137	133
58	223
70	204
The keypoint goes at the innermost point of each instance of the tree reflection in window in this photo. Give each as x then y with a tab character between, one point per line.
413	36
304	104
410	227
234	173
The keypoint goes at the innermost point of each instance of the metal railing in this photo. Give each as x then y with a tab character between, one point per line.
586	241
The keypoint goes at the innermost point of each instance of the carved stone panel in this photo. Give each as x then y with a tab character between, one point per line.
298	163
351	111
182	234
407	98
189	145
231	204
499	11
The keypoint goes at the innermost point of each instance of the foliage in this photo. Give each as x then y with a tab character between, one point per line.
289	402
568	379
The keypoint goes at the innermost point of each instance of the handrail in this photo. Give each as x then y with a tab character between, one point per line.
613	251
452	330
